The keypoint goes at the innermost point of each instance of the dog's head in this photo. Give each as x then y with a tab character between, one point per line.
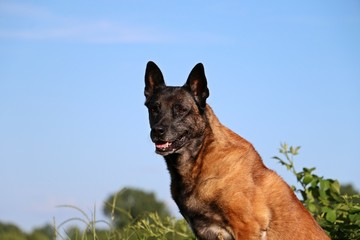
176	114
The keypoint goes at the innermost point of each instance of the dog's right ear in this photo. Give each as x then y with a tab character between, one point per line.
153	79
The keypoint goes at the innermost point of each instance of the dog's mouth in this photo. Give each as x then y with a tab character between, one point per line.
168	147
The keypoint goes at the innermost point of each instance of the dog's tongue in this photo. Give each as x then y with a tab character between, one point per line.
162	145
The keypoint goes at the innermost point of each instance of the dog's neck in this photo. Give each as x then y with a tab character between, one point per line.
182	165
186	164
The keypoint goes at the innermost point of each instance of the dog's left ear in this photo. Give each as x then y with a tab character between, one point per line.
197	84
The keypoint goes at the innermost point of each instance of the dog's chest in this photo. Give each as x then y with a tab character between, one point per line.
205	218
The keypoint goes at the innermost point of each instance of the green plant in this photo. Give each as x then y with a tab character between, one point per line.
149	227
337	214
89	221
155	227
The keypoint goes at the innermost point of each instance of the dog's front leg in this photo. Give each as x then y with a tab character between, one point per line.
250	234
249	226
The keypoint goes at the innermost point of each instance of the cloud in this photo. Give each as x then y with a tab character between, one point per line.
23	10
90	32
27	22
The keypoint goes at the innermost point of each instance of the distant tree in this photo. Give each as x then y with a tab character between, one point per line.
129	204
44	233
11	232
349	189
74	233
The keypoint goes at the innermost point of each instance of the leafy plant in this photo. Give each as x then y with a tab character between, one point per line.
154	227
149	227
337	214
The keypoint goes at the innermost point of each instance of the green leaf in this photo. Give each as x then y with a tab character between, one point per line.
324	185
308	170
299	176
312	208
336	196
324	197
294	150
315	182
285	147
335	187
307	179
282	162
331	215
304	195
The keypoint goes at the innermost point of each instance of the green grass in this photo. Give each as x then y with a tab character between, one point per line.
150	226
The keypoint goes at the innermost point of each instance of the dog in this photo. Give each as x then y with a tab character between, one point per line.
218	180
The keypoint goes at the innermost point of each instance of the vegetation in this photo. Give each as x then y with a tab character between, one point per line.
137	215
128	204
11	232
149	226
338	213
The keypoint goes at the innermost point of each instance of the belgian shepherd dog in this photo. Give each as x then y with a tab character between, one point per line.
218	180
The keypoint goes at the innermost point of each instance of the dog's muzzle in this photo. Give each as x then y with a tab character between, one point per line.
166	145
169	147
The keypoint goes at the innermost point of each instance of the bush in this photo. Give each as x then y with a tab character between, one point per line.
337	214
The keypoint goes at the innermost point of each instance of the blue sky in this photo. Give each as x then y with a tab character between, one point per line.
73	127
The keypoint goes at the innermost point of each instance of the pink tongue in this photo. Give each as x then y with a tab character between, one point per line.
163	145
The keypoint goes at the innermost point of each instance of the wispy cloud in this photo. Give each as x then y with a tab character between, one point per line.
91	32
23	10
33	23
36	23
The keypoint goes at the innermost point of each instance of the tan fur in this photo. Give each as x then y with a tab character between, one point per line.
258	204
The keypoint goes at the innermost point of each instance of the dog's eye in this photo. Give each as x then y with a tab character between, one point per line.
179	109
154	109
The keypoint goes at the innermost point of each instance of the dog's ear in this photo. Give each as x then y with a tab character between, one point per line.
197	85
153	79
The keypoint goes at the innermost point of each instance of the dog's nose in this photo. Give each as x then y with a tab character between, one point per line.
158	130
